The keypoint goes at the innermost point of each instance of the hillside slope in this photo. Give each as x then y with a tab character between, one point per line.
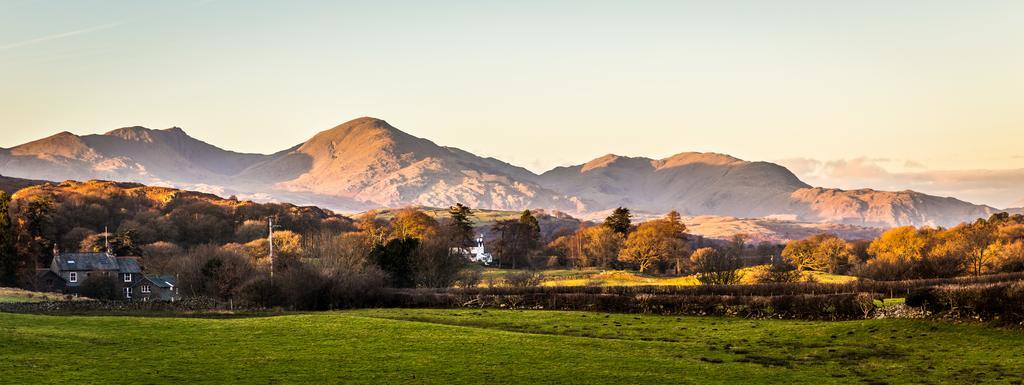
11	185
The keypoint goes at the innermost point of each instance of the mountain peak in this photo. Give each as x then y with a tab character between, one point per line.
367	120
709	158
600	162
133	134
63	144
358	127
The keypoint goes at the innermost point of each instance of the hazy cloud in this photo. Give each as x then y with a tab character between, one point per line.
913	164
57	36
801	166
854	168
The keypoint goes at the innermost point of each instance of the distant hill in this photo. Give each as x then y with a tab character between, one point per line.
692	183
162	214
369	163
127	154
772	230
12	185
366	163
882	208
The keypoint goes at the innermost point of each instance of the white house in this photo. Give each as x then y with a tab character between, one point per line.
476	253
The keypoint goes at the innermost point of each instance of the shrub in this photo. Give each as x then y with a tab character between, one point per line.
469	278
100	287
436	265
524	279
826	307
396	258
778	272
1000	302
261	293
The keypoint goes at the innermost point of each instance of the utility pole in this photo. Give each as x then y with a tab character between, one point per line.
270	241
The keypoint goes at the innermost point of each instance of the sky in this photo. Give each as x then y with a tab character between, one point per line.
924	95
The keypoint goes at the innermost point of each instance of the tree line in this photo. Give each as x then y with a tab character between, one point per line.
985	246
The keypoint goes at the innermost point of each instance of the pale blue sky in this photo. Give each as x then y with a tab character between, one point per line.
538	83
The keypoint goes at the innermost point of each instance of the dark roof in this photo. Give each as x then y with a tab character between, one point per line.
86	261
128	265
164	282
169	279
44	274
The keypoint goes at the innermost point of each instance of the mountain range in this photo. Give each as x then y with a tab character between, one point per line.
367	163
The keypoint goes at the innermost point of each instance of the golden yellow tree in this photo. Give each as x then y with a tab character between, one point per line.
413	223
653	242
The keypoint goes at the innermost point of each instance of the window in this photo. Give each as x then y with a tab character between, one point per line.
72	277
127	277
144	289
127	292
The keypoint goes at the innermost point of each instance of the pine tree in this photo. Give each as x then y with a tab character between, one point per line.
620	221
9	260
461	225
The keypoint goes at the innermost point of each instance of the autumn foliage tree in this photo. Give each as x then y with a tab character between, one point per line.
413	223
716	267
895	252
654	242
822	252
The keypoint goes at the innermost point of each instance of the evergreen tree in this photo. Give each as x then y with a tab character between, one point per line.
38	220
121	244
9	260
530	221
620	221
396	258
460	224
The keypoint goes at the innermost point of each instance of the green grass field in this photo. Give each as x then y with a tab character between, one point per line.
500	346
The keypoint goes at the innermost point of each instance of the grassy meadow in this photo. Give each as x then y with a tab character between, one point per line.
598	277
10	294
501	346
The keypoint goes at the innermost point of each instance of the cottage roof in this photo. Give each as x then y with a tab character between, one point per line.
86	261
164	282
128	265
47	274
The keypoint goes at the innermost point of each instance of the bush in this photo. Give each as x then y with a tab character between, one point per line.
469	278
825	307
1000	302
777	272
891	289
99	287
396	258
524	279
261	293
